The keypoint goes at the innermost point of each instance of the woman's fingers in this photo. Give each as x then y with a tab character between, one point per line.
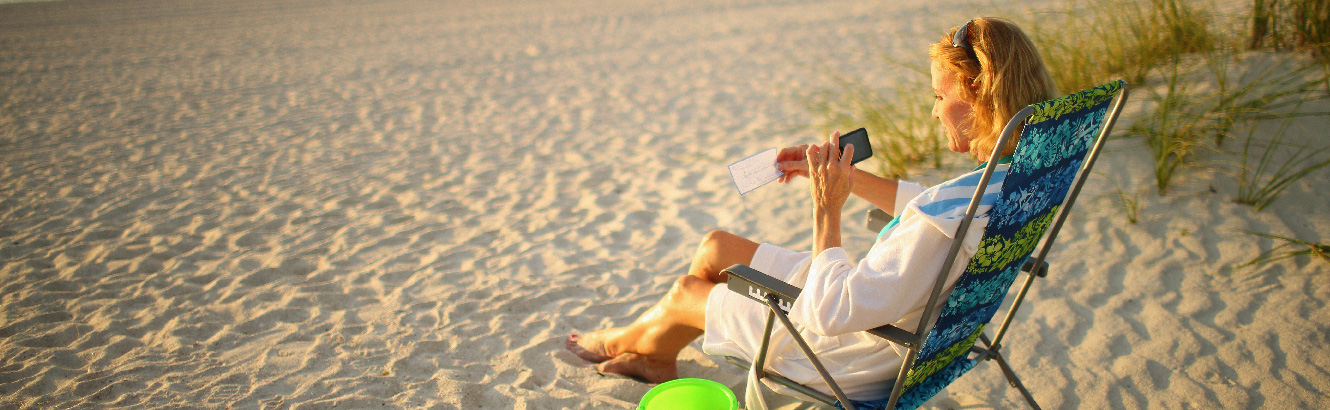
821	158
826	153
812	159
795	153
792	169
833	154
847	163
830	171
833	149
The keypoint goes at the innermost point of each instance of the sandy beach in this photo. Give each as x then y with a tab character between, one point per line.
411	204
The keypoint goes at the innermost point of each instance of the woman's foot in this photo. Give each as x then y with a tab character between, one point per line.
636	365
589	347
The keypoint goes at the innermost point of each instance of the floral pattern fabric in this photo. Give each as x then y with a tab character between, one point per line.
1055	108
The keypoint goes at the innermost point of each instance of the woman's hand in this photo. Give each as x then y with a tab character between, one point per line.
831	173
833	178
793	162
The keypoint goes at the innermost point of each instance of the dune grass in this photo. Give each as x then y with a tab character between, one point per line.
1270	91
1267	168
1131	203
1288	248
1173	131
1188	123
1087	44
1169	47
1291	24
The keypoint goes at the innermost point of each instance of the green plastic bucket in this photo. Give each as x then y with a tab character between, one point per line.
689	394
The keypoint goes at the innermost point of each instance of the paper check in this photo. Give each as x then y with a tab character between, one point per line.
755	171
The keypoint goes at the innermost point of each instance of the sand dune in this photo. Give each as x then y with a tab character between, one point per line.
410	204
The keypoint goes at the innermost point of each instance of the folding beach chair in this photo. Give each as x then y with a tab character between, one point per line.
1057	149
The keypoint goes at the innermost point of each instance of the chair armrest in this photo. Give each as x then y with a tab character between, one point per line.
895	334
757	285
877	219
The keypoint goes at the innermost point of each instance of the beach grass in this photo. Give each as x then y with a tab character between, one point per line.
1188	121
1286	248
1267	168
1130	202
1173	131
1291	24
1169	47
1271	91
1087	44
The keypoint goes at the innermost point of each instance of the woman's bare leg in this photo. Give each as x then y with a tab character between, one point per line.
648	347
720	250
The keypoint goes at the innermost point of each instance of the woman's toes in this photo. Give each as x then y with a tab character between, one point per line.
591	349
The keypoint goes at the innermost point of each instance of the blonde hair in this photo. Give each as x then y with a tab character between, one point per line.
1005	75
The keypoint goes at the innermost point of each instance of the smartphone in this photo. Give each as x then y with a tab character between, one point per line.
859	138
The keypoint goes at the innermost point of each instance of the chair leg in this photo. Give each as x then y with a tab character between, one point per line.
761	361
782	380
1015	381
774	303
1010	375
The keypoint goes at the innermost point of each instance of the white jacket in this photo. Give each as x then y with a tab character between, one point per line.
841	297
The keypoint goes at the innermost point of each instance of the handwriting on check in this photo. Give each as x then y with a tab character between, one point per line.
755	171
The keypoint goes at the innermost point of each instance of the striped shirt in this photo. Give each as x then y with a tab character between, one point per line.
949	199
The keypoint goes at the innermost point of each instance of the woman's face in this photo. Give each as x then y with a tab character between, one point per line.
954	112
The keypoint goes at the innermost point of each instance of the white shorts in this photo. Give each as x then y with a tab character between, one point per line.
735	322
860	363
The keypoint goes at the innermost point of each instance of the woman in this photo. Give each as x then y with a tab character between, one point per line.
982	74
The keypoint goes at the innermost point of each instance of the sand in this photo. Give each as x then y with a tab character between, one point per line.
410	204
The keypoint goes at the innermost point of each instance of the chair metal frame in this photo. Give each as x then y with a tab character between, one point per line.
779	296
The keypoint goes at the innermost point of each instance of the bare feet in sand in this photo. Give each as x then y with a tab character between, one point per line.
633	364
589	347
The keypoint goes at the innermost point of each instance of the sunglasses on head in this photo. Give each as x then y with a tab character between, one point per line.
960	39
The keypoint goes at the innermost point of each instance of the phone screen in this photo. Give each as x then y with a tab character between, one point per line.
859	138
